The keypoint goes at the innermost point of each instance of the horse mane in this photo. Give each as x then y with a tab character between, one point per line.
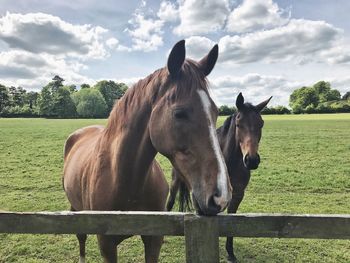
227	122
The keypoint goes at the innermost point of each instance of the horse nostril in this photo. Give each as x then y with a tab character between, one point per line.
217	193
213	206
246	159
258	158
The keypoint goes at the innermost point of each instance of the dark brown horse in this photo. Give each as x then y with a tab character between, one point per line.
239	139
114	168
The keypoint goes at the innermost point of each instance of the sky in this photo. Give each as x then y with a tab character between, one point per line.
266	47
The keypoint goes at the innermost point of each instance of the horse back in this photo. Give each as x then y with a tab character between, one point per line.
79	134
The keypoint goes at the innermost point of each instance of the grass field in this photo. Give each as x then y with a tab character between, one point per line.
305	169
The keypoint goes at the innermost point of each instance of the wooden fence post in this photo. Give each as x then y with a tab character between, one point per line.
202	239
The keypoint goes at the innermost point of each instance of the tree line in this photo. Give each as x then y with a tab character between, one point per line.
57	100
318	98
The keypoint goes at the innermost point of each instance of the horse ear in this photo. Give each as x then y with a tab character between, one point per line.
207	63
239	101
176	58
263	104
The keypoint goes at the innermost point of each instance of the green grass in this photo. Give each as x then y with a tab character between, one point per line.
305	169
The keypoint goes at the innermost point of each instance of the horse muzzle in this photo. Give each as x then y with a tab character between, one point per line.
251	162
213	206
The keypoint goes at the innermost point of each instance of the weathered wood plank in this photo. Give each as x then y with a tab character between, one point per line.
162	223
202	239
285	226
93	222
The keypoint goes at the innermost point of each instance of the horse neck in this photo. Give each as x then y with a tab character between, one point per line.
127	135
227	138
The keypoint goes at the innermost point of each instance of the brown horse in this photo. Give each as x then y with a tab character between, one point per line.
239	139
114	168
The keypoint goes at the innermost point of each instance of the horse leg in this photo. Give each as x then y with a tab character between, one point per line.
82	241
108	247
174	188
232	209
152	247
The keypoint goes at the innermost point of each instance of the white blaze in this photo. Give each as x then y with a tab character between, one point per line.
222	173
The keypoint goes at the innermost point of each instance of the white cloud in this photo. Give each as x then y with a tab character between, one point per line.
254	15
299	41
339	54
168	12
341	84
146	33
197	47
254	87
32	71
112	43
201	16
43	33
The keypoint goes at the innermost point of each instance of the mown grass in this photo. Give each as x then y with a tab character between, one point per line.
305	169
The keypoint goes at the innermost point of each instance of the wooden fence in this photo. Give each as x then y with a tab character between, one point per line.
201	233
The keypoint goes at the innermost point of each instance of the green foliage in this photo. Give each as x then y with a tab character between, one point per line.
111	91
316	99
303	97
90	103
4	97
56	100
46	101
72	88
63	105
18	111
32	99
275	110
225	110
85	86
346	96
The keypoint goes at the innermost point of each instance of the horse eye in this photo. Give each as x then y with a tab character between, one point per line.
180	114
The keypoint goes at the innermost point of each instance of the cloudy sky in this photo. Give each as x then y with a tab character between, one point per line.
267	47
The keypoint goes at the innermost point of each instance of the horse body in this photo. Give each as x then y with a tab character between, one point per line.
113	167
239	139
104	172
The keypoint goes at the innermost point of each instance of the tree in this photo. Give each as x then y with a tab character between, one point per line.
226	110
325	93
314	99
85	86
90	103
32	99
303	97
4	97
346	96
56	83
46	101
72	88
62	104
275	110
111	91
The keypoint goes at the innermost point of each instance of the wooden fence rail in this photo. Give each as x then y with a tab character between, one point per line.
201	233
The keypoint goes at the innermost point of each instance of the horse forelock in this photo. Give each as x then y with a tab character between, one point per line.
248	107
192	77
